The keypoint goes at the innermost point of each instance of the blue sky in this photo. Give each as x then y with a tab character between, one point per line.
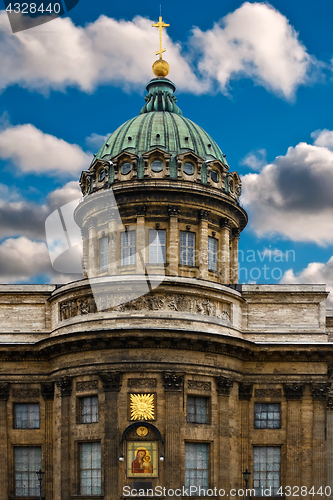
257	76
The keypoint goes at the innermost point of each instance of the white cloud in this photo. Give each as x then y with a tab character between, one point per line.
31	150
292	196
96	141
323	138
254	41
256	160
315	272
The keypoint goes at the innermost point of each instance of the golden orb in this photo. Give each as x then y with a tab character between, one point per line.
161	68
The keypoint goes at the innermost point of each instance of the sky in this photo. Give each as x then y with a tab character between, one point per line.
256	76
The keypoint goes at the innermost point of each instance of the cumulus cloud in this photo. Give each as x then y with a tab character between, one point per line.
254	41
31	150
21	260
256	160
96	141
315	272
323	138
292	196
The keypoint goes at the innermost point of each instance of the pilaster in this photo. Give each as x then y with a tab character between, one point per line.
173	243
293	394
4	394
319	446
47	391
65	385
203	244
224	386
224	254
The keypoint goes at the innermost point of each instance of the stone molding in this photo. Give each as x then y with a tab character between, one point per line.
66	386
111	381
199	385
224	385
142	383
47	391
4	391
267	393
245	391
320	392
173	382
87	385
293	392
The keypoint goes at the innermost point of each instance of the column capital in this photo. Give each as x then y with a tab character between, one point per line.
293	392
235	232
173	211
320	392
225	223
203	214
91	223
111	381
47	391
245	391
4	391
66	386
224	385
141	210
173	382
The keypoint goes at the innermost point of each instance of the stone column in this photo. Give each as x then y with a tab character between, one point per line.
113	240
4	395
224	386
245	395
140	239
85	251
293	394
224	254
330	442
64	479
173	243
47	391
111	385
319	446
203	244
234	256
93	257
173	384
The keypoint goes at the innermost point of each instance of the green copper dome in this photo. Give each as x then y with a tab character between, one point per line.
160	125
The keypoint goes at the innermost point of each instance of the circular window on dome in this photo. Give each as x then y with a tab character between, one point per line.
126	168
188	168
214	175
101	175
157	166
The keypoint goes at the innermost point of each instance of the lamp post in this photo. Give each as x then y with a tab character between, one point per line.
246	476
40	475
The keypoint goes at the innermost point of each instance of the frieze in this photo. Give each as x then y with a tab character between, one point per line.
199	385
224	385
173	382
293	392
139	383
152	302
267	393
26	393
88	385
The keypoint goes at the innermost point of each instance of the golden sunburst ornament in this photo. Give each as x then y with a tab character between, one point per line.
142	406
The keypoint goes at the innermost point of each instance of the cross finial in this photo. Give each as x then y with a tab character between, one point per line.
160	25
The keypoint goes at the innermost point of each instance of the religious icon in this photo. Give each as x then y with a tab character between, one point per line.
142	459
142	431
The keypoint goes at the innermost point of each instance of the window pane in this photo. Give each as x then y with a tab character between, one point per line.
197	465
90	469
212	254
89	410
266	468
197	409
157	240
128	248
28	460
103	253
187	248
267	416
26	416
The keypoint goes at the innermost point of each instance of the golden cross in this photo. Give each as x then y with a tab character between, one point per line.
160	25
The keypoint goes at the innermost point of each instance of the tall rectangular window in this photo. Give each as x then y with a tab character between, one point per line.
157	240
103	253
197	409
187	248
212	254
27	461
128	248
26	416
89	410
267	416
266	469
197	466
90	469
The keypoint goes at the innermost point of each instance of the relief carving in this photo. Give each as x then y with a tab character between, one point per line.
173	382
320	392
26	393
87	385
65	385
47	391
224	385
111	381
293	391
266	393
245	391
198	384
140	383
